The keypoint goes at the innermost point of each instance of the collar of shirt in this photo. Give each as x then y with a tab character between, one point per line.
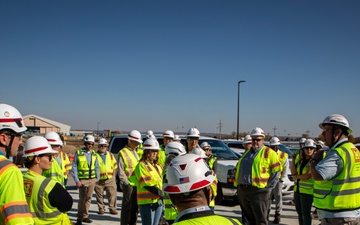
339	143
255	150
192	210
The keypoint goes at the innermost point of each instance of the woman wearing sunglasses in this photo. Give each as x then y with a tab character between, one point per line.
48	200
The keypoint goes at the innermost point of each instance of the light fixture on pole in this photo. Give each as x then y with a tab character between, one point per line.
238	105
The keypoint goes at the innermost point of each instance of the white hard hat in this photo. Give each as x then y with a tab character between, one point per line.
199	152
205	144
320	143
149	133
135	136
177	138
53	138
175	148
187	173
309	143
336	119
151	144
89	138
10	118
102	141
168	134
302	140
247	139
257	131
274	141
37	145
193	132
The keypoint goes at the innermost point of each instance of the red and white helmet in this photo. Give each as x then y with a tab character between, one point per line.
102	141
151	144
336	119
247	139
187	173
168	134
193	132
89	138
274	141
10	118
135	136
53	138
257	131
309	143
37	145
175	148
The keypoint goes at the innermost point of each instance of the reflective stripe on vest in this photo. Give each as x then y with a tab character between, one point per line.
303	186
55	173
282	158
84	171
107	168
342	192
130	159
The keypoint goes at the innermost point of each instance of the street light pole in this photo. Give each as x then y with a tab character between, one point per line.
238	104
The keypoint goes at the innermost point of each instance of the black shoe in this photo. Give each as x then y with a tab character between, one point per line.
277	219
87	220
78	222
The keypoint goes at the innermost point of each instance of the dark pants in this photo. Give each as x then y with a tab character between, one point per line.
254	202
303	204
129	206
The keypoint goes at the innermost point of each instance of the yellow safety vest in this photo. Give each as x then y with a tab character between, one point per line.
211	162
204	220
162	156
13	206
66	164
213	194
108	167
55	173
342	192
37	189
303	186
84	172
147	175
130	161
282	159
265	163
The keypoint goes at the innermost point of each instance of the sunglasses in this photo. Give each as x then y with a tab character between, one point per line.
88	143
257	140
49	156
102	146
207	149
18	135
308	148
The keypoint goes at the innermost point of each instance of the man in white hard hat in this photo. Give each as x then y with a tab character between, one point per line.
192	139
86	172
128	158
168	136
254	185
337	175
107	182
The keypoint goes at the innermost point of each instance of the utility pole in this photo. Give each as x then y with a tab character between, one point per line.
274	131
219	127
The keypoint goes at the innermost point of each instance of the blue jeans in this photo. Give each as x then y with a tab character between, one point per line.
151	213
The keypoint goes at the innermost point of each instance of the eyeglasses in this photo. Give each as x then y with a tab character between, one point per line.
18	135
102	146
49	156
256	140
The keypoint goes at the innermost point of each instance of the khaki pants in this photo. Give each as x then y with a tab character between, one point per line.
85	195
340	221
110	187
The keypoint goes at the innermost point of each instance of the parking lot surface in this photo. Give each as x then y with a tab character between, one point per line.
228	209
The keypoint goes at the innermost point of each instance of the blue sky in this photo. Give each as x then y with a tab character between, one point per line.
170	64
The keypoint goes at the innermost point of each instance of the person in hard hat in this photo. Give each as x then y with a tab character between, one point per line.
254	185
211	159
167	137
192	139
303	189
337	183
177	138
148	173
107	182
277	190
319	146
128	158
172	150
86	172
13	205
188	181
61	166
48	199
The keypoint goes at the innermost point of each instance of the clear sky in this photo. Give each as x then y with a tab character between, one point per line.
171	64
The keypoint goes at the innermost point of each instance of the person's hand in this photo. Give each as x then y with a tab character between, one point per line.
318	156
79	184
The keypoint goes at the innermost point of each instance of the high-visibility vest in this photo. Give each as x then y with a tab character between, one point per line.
130	159
84	171
66	164
37	189
212	219
282	158
265	163
108	167
303	186
211	162
147	175
55	173
13	206
213	194
342	192
162	156
170	211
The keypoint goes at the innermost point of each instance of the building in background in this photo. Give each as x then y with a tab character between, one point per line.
41	125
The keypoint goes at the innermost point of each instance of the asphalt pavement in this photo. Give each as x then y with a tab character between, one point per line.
228	209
